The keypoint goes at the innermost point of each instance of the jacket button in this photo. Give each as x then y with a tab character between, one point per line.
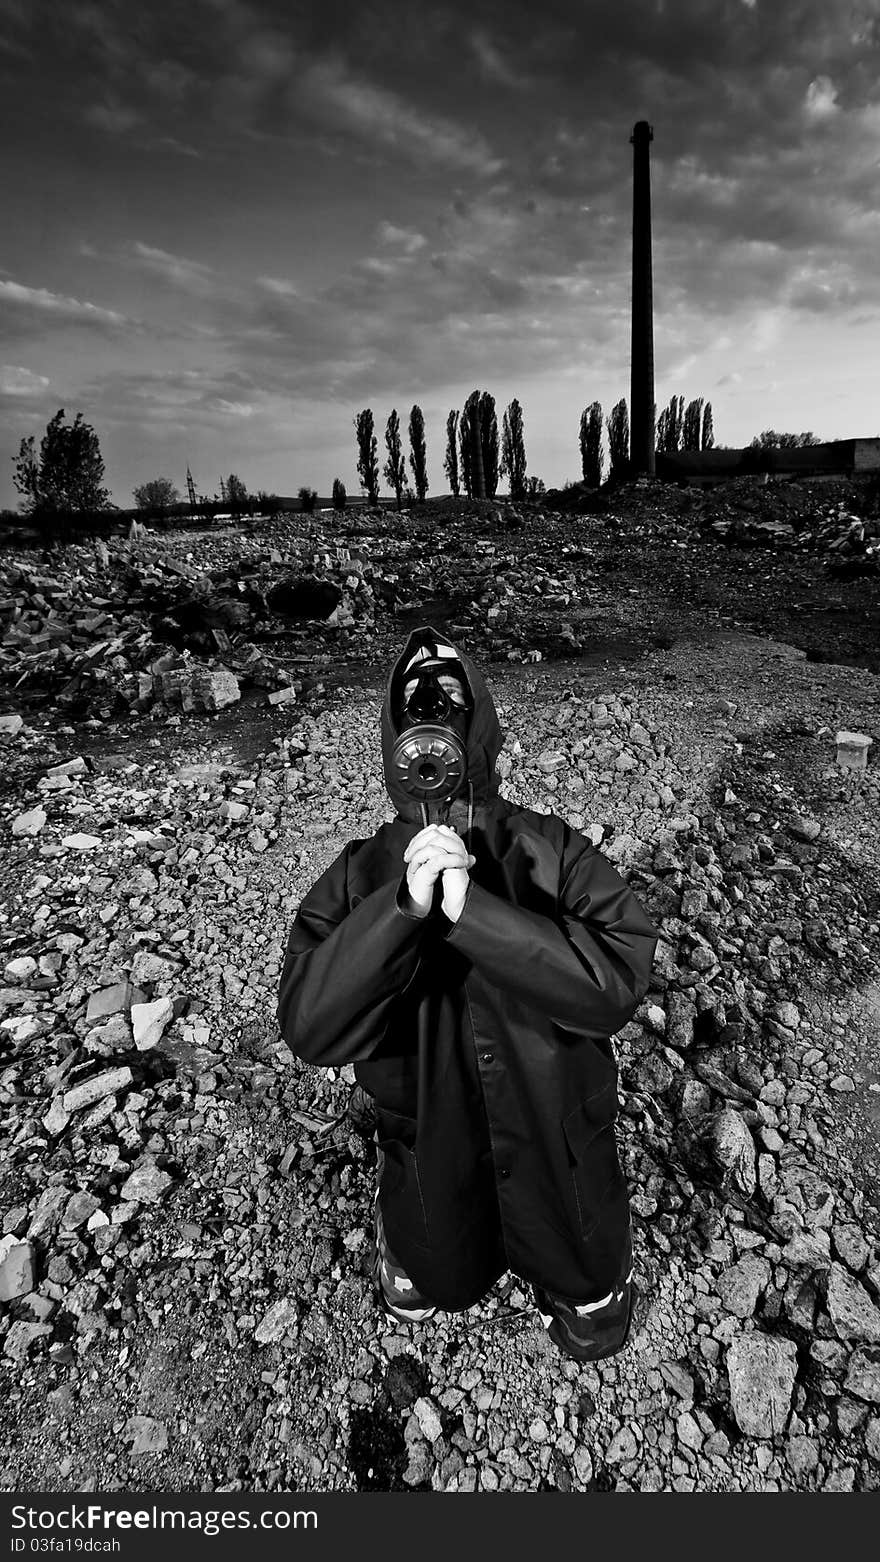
504	1171
487	1057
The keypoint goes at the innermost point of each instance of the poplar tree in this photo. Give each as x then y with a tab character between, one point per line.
513	450
368	456
450	460
395	466
591	444
418	455
618	440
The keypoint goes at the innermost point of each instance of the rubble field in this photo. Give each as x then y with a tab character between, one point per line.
188	736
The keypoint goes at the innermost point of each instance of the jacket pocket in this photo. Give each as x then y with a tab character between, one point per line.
591	1143
400	1187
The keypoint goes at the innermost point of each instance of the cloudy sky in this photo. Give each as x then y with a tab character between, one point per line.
229	225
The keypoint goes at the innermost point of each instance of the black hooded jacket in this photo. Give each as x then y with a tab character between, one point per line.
485	1041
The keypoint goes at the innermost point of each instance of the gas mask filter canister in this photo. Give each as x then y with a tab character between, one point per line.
429	757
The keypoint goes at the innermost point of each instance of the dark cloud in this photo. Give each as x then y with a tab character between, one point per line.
281	206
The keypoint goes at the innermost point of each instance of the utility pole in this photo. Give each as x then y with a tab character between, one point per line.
641	399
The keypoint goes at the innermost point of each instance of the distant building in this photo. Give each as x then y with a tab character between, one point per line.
837	458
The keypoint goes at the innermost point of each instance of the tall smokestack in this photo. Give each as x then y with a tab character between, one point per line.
641	397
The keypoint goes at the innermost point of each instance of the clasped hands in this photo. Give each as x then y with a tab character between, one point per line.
438	850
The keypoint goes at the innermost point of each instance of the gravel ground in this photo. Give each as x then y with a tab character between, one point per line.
186	1253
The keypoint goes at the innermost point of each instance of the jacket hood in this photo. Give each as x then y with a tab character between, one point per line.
484	742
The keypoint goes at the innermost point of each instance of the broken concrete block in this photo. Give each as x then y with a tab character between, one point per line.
10	725
852	750
285	696
209	689
92	1090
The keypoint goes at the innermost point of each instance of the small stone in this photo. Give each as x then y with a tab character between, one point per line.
740	1286
29	823
688	1431
149	1436
428	1417
843	1084
281	1319
802	1454
80	1206
10	725
146	1184
81	842
583	1465
20	971
679	1379
234	811
56	1119
149	1021
803	829
623	1446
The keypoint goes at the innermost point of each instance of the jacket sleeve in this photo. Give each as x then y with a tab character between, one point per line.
344	967
589	967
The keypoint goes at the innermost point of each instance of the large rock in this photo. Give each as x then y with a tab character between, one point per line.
863	1375
850	1308
762	1371
16	1269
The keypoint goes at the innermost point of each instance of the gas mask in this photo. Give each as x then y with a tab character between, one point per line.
429	757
